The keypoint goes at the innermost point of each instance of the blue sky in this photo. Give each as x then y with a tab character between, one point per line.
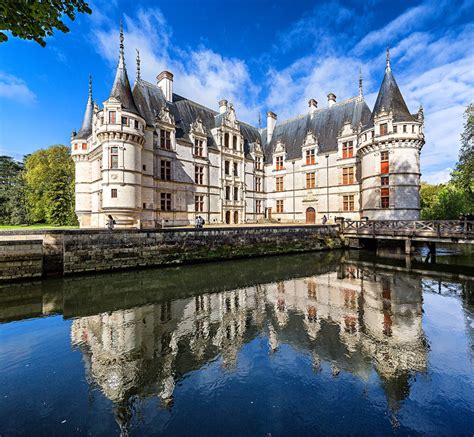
261	55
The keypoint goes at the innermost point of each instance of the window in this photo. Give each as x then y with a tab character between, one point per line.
258	163
236	193
125	121
144	205
235	143
310	156
165	199
137	125
226	139
199	203
165	170
236	169
113	193
227	193
76	146
165	139
347	149
279	183
404	128
112	117
279	206
144	167
258	184
384	180
385	198
348	203
384	164
413	128
84	146
227	167
199	174
114	157
279	162
258	206
198	147
310	180
347	175
395	129
101	120
383	129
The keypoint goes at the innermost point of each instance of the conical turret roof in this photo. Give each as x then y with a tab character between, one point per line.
390	98
86	128
121	89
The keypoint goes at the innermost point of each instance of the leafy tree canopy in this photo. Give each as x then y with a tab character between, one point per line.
35	20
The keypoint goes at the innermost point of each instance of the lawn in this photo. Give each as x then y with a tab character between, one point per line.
36	226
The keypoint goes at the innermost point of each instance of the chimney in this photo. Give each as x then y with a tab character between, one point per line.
222	106
313	105
165	82
271	122
331	99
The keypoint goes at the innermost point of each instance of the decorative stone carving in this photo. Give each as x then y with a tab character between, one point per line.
279	147
165	116
310	139
198	128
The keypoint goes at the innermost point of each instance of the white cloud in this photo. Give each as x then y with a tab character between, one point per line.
14	88
437	177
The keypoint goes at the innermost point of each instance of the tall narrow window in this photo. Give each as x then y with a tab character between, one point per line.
236	169
226	140
258	184
348	175
114	157
198	147
310	180
165	139
199	203
227	167
404	128
199	174
348	203
234	142
125	121
384	180
258	163
227	193
384	163
395	129
112	117
236	193
258	206
383	129
279	183
385	197
347	149
113	193
279	162
310	157
165	200
165	170
279	206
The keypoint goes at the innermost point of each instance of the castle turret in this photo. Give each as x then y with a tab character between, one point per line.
389	152
121	135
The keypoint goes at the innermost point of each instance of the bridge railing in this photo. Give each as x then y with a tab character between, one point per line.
434	228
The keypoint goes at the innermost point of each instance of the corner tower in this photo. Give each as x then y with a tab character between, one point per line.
389	152
121	136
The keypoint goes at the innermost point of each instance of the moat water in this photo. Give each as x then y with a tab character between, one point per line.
324	343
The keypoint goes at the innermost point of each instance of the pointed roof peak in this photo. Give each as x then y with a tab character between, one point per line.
86	129
387	61
361	95
122	49
138	65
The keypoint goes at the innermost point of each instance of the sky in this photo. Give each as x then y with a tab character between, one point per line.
260	55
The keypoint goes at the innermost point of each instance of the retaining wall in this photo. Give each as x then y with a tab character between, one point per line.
21	259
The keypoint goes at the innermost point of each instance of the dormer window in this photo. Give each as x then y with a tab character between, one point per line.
348	149
112	117
258	163
165	139
198	147
310	156
279	163
383	129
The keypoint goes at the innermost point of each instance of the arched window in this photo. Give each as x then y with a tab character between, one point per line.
226	139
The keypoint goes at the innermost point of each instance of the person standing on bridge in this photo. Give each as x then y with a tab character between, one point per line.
325	219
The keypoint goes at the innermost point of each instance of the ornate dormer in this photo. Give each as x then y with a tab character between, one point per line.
198	128
346	130
310	140
165	117
279	148
230	119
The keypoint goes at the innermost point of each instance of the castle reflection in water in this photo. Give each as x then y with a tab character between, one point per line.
353	319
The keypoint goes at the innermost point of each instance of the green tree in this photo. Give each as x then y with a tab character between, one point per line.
463	175
49	178
10	171
428	196
448	204
35	20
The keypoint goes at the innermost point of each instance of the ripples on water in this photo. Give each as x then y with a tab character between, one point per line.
316	343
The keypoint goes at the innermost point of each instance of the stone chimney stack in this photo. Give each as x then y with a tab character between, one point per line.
222	106
165	82
313	105
331	99
271	122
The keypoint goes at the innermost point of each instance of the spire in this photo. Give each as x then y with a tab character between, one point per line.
259	120
388	67
121	89
360	83
86	128
138	65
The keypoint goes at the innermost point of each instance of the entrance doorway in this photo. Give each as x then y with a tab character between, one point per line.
310	216
236	217
268	213
227	217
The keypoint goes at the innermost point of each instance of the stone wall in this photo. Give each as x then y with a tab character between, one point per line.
21	259
86	251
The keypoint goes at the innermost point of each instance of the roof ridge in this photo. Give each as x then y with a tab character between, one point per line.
196	103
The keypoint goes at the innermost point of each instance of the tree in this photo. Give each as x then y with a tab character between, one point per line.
449	203
49	178
10	178
428	196
463	175
35	20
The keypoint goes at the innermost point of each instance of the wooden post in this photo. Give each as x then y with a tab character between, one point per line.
407	246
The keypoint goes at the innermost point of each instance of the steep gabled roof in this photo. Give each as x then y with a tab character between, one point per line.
86	129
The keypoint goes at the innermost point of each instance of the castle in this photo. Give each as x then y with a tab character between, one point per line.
152	158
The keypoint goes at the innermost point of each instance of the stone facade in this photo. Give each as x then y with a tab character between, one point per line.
151	158
21	259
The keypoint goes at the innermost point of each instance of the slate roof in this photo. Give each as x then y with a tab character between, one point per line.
86	129
324	123
121	89
390	99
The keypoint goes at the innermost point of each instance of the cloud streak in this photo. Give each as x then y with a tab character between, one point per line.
16	89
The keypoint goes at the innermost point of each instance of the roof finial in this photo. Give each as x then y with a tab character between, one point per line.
122	55
388	68
259	120
138	64
360	83
90	86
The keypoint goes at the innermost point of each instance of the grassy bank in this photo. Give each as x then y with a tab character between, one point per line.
35	226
